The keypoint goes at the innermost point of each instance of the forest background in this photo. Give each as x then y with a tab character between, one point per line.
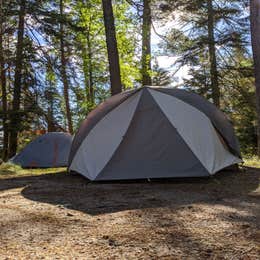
55	61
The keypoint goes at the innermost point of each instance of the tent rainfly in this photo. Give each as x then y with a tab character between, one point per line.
154	133
46	151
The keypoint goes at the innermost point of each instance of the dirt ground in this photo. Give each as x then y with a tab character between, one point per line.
61	216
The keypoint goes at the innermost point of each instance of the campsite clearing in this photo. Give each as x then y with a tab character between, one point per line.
62	216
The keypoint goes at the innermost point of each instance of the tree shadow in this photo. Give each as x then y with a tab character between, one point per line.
75	192
161	204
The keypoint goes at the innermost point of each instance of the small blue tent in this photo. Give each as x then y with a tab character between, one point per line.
46	151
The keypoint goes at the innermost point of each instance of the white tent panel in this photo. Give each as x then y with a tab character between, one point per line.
103	140
197	131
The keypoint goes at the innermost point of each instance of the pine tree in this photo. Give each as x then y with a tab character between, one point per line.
15	115
255	32
3	84
146	43
208	31
113	57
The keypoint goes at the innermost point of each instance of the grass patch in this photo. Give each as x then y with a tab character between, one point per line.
10	170
252	161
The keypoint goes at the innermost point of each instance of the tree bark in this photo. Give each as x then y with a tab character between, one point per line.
64	73
90	70
3	86
146	43
255	35
15	115
112	50
50	121
212	56
84	52
50	113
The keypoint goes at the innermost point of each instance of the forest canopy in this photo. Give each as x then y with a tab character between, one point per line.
55	57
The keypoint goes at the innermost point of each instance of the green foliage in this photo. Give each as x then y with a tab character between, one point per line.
251	161
42	102
160	77
234	62
238	100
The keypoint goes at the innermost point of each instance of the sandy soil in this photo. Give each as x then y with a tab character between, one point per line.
60	216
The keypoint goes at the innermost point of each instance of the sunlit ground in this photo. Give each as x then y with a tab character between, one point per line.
11	170
49	214
252	161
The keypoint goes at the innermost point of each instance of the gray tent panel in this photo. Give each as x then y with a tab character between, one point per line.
49	150
95	116
218	119
152	148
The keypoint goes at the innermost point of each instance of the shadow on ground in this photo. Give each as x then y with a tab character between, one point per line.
75	192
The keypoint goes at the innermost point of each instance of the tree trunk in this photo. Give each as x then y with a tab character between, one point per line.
15	115
3	86
64	73
84	52
255	34
146	43
212	56
50	120
113	57
90	70
50	116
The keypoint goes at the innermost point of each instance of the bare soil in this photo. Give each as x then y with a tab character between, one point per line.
62	216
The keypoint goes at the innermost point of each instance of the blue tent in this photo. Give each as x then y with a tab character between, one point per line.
49	150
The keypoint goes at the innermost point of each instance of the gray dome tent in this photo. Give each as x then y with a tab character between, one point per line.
49	150
154	133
